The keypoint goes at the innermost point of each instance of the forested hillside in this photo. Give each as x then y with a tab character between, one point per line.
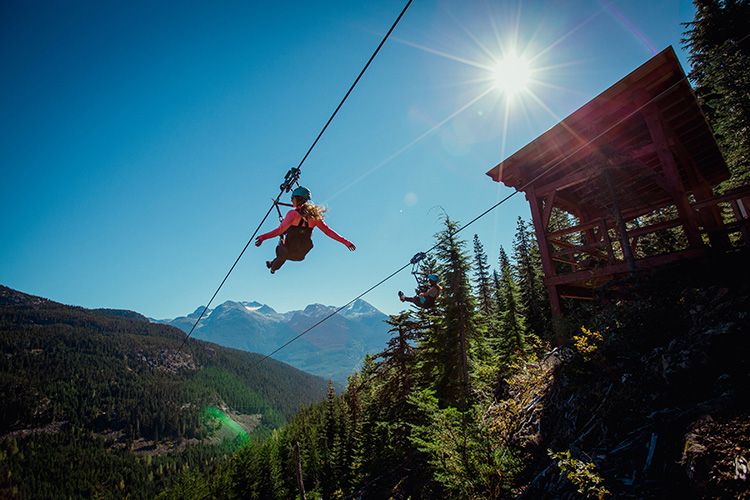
102	404
647	399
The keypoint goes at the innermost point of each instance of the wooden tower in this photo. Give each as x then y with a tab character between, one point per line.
641	147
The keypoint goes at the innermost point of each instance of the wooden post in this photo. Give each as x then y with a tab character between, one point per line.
688	217
298	461
627	251
540	229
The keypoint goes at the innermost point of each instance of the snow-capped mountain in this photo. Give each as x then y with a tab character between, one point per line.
333	349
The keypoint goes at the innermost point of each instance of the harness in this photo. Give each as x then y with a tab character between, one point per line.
298	239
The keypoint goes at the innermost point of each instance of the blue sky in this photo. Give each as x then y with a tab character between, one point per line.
143	141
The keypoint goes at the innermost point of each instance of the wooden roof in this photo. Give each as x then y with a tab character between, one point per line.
613	129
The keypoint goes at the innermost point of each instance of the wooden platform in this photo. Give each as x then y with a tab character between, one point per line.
596	182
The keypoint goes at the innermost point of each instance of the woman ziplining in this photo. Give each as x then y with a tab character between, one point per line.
427	299
296	231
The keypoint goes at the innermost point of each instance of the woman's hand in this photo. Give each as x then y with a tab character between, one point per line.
258	241
351	247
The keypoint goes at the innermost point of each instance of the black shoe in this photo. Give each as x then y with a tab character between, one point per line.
401	295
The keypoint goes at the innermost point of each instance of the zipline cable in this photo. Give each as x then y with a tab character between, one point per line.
420	255
331	315
293	176
355	82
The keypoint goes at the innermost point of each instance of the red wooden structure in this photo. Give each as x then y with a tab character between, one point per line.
641	147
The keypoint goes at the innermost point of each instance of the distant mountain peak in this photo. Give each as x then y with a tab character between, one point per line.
254	304
198	312
359	306
333	349
314	309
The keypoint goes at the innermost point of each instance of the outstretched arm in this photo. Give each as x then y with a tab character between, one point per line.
292	217
333	234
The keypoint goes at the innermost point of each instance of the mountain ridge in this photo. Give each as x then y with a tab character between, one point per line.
125	400
333	344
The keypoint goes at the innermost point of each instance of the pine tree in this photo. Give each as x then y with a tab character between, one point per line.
532	294
482	279
354	437
497	290
511	329
334	454
389	414
398	356
720	56
458	324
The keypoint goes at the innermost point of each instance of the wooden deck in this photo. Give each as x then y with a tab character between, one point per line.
641	148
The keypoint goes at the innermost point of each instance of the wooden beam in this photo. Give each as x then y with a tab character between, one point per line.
582	277
621	228
569	180
544	253
549	204
711	218
656	176
671	173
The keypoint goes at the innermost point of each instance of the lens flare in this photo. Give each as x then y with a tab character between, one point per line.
226	422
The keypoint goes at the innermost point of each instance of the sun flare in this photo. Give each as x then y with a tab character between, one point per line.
512	75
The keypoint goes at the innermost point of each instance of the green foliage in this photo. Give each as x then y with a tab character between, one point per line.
110	392
73	463
720	58
424	417
483	280
511	329
588	342
582	474
534	303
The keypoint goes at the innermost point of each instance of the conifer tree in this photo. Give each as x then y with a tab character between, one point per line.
334	454
482	279
389	408
532	294
497	289
398	356
354	442
720	57
449	345
511	329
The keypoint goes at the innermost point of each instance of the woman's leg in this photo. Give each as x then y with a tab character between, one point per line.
281	257
413	300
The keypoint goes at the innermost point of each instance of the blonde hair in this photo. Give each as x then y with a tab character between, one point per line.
307	210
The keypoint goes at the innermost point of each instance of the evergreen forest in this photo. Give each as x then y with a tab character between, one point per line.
104	404
483	396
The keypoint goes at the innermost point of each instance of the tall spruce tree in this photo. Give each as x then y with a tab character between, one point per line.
447	349
497	290
397	370
334	456
719	42
482	279
511	327
532	294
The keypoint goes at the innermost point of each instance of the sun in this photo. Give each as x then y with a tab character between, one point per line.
511	75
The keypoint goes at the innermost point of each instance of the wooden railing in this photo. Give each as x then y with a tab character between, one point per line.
602	243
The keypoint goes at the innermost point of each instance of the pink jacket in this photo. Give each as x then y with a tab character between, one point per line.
293	218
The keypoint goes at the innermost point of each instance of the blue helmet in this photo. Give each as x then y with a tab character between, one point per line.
434	278
302	192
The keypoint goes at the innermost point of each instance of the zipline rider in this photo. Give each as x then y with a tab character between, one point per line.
296	229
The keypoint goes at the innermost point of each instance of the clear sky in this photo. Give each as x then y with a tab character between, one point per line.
142	142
